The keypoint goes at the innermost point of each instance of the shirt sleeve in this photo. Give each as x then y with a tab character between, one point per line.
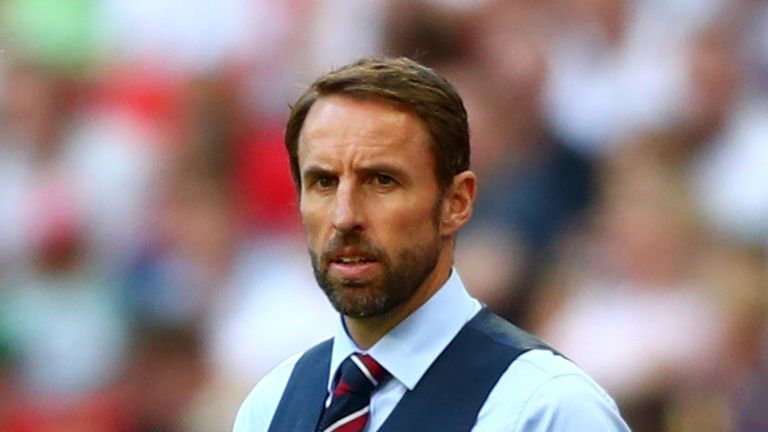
258	408
570	402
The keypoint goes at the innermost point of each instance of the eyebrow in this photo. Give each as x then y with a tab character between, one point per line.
386	169
314	171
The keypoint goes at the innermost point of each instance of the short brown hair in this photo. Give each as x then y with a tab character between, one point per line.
405	83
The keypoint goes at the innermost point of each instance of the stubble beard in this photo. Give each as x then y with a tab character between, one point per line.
363	298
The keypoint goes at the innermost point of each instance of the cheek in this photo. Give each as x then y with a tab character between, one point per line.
411	224
314	224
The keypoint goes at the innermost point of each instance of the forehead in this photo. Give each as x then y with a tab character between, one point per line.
339	126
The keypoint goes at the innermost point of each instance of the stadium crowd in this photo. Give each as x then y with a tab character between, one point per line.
152	262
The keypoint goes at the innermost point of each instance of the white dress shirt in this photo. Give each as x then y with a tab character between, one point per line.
540	391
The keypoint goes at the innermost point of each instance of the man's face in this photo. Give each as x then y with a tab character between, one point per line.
370	203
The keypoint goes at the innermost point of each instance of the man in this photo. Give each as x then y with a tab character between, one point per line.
379	150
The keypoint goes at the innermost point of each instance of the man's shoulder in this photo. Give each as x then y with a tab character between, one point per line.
260	405
542	388
541	365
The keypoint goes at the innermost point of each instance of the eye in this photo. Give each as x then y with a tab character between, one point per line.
384	180
325	182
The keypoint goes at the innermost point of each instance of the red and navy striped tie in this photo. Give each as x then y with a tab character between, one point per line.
359	375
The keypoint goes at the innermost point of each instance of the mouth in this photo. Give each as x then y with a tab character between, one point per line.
352	265
352	260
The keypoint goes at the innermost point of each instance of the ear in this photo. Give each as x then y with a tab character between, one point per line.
457	203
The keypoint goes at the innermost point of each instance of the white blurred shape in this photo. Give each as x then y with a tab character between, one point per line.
275	310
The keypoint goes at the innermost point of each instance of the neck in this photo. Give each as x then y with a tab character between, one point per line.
367	331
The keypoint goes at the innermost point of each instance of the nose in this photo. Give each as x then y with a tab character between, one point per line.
348	212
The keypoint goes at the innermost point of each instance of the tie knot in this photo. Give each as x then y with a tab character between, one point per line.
357	378
359	374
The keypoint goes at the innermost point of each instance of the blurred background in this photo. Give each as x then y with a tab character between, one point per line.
152	263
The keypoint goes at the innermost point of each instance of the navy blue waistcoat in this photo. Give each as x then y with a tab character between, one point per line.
448	397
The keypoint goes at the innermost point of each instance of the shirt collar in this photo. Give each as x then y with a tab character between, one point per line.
410	348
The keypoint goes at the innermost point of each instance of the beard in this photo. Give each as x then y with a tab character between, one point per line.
401	278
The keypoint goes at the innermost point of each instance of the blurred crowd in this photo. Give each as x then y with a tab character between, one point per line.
152	261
